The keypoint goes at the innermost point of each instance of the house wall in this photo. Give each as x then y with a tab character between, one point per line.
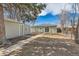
42	29
52	29
15	29
37	29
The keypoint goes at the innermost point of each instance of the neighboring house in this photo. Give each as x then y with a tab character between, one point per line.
44	28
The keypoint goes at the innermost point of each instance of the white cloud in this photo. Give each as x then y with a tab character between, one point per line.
55	8
43	13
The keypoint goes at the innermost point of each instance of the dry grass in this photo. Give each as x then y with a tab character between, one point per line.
43	46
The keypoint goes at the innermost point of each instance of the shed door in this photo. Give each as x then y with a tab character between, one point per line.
46	29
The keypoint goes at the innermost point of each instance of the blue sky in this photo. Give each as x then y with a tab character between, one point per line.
48	19
50	14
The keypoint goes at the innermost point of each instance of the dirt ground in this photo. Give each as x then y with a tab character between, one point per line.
47	46
16	40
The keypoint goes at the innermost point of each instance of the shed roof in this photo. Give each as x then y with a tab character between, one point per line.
45	25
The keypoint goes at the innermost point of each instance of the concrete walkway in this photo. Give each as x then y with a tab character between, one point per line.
17	46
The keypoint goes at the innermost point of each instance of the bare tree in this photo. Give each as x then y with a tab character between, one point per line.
64	18
2	26
76	32
75	24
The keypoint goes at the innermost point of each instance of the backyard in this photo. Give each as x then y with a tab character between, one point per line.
44	45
